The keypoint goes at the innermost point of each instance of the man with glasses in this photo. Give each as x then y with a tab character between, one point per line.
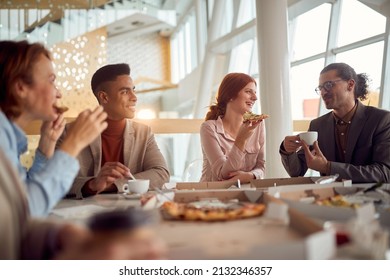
125	148
353	139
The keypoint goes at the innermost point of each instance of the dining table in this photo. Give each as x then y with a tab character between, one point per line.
284	231
264	237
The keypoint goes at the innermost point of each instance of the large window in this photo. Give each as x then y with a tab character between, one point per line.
226	24
184	50
309	38
304	79
367	59
246	13
359	44
311	32
241	57
358	22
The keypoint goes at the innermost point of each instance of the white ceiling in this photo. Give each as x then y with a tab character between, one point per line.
138	24
146	22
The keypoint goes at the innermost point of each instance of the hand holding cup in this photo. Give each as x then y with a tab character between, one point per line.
309	137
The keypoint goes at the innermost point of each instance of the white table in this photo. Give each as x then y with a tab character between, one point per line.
254	238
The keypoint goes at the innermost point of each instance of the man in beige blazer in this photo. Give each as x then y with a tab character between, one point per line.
125	148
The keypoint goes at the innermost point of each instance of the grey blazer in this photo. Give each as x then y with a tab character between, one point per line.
368	149
21	237
141	155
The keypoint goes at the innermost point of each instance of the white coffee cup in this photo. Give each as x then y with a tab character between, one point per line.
132	186
309	137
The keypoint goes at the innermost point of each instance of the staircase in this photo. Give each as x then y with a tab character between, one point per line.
48	22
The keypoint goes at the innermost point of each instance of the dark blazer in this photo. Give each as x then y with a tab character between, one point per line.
140	152
368	149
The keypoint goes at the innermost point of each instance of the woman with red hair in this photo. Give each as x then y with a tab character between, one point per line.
233	149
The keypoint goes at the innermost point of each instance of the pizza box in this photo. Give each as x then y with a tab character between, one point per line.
251	195
297	182
203	185
303	187
302	201
280	233
273	182
259	183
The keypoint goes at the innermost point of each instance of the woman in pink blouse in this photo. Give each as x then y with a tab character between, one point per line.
232	149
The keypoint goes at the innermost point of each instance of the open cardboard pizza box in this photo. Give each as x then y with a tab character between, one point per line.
273	182
250	195
297	183
302	200
280	233
204	185
259	184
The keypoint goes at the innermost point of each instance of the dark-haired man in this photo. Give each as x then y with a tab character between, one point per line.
125	148
353	139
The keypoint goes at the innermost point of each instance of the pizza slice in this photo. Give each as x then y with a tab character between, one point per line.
60	109
251	117
337	201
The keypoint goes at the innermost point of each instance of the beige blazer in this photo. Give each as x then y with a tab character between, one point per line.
141	155
21	237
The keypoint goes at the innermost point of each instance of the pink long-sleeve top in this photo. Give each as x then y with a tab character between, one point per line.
221	156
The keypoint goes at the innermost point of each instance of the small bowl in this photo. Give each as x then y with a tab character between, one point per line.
140	186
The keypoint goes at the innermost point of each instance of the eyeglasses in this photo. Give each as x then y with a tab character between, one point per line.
327	86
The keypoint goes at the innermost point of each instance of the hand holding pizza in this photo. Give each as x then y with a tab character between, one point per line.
250	122
245	131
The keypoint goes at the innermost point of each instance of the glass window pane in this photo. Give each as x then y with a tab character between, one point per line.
227	20
367	59
187	50
210	6
13	22
174	60
304	79
311	32
254	65
241	57
181	60
193	39
4	24
358	22
246	13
